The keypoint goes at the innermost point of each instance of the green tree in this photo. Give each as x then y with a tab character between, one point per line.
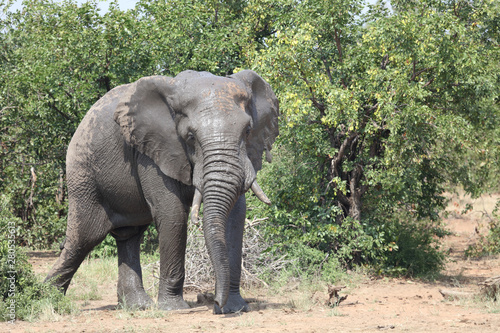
56	64
59	58
380	109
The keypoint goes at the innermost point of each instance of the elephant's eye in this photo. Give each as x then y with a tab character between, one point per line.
248	130
190	137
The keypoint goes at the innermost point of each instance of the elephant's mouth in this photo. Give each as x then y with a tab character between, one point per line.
198	197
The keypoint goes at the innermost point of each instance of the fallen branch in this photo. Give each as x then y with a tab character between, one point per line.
491	287
335	298
455	294
331	298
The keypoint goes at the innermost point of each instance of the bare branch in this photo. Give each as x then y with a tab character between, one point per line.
54	107
6	108
339	49
416	74
199	271
339	46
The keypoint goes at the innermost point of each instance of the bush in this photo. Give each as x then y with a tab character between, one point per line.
22	295
307	263
107	248
417	243
490	243
393	237
37	231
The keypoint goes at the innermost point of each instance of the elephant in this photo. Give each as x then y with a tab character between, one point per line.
153	151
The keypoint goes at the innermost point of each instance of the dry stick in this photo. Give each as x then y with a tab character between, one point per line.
199	271
247	272
491	287
454	294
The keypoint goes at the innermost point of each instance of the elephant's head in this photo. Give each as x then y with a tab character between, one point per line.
209	132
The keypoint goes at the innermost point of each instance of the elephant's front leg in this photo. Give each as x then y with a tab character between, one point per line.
234	243
172	232
166	199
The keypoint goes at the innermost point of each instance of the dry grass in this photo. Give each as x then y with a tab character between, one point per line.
462	205
87	282
199	271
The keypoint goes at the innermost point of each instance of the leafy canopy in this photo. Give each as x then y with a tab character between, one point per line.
380	109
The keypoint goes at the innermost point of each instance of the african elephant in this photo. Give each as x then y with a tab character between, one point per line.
150	150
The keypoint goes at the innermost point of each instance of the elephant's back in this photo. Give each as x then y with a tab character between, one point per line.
97	145
97	127
99	161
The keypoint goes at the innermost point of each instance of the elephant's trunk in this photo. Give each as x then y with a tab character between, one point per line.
223	184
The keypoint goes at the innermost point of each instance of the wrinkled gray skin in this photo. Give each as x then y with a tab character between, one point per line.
141	153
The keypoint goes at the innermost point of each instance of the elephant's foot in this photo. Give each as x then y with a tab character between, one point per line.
172	303
135	300
235	303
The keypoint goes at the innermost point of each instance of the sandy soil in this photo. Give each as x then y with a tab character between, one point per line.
373	304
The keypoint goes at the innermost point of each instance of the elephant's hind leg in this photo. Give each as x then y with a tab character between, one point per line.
87	227
131	293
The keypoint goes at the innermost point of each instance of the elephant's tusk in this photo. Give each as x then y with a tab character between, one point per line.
269	156
195	207
260	194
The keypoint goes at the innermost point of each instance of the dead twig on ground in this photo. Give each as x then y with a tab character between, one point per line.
490	289
199	275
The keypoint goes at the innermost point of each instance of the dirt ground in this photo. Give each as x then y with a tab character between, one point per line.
372	305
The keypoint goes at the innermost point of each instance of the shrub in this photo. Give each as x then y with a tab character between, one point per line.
22	295
418	252
488	244
107	248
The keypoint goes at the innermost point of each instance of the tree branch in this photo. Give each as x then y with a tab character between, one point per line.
6	108
216	18
356	193
416	74
53	106
320	106
327	68
339	49
385	62
429	82
348	140
341	153
414	65
339	46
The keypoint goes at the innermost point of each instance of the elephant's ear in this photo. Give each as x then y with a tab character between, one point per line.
146	119
264	111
